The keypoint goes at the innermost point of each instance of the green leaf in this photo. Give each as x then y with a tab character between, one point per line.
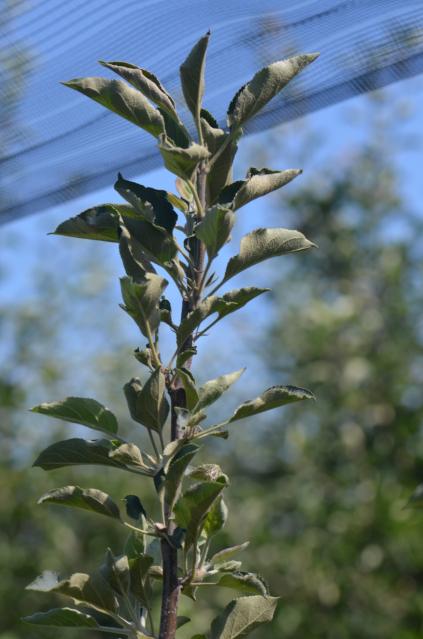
86	498
271	398
192	76
148	404
188	381
76	452
214	388
246	582
145	81
133	257
228	303
220	173
242	615
225	554
262	244
152	204
158	244
175	130
98	223
63	617
181	621
182	161
184	356
265	84
134	545
215	229
176	471
191	509
141	301
121	99
208	472
115	572
216	517
92	590
130	456
259	182
139	568
81	410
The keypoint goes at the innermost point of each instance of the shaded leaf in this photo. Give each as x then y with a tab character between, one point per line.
192	508
115	571
214	388
152	204
188	381
246	582
75	452
416	499
265	84
215	229
141	300
258	183
184	356
89	589
133	257
182	161
220	173
63	617
242	615
145	81
86	498
192	76
262	244
134	508
181	621
139	572
80	410
148	404
175	473
216	517
121	99
271	398
130	455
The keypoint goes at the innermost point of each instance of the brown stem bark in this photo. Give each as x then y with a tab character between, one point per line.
171	583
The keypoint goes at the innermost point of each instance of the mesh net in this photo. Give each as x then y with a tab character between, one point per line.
57	144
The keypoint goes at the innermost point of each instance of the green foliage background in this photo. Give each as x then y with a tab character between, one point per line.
319	489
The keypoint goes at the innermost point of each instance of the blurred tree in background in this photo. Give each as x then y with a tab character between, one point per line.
323	496
324	502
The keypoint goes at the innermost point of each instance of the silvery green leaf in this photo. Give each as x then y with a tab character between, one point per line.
63	617
86	498
228	303
80	410
121	99
115	571
97	223
262	244
145	81
220	174
214	388
246	582
76	452
258	183
271	398
215	229
182	161
192	76
227	553
265	84
242	615
175	473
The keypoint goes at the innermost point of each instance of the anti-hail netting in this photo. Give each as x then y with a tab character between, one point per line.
57	144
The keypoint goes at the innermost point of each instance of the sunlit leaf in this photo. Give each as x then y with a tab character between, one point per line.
259	182
121	99
246	582
265	84
182	161
242	615
215	229
192	508
262	244
192	76
86	498
227	553
80	410
214	388
271	398
216	517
